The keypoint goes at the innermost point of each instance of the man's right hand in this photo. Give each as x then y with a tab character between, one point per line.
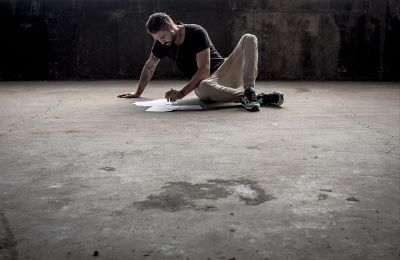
129	95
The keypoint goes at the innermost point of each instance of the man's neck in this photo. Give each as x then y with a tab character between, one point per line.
180	34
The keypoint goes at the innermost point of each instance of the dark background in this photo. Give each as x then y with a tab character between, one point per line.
106	39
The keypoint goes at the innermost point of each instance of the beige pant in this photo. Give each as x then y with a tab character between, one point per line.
239	69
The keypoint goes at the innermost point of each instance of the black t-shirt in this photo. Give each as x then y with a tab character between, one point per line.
196	40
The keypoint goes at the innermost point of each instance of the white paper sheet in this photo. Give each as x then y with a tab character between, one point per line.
157	102
162	108
162	105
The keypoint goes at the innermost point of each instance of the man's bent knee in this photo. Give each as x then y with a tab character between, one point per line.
249	38
202	91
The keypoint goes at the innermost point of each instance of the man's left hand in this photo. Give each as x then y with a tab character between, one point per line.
173	95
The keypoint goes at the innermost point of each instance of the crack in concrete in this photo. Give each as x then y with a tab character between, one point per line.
15	126
355	118
387	141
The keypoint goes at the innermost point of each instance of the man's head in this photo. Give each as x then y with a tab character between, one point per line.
162	28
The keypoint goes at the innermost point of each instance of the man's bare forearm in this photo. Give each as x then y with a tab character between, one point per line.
199	76
145	77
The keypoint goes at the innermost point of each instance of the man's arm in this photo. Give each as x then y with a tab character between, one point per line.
203	71
145	77
147	73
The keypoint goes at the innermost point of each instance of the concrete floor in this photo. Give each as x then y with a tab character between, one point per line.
85	175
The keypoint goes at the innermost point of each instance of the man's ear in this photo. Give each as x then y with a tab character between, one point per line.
169	27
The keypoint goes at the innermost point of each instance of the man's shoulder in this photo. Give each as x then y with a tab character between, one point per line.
193	27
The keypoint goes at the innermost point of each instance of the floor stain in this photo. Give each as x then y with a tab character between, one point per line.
322	196
246	190
181	195
353	199
8	246
147	253
255	147
207	208
108	169
72	131
258	147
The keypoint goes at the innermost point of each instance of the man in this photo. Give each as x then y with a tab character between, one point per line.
211	77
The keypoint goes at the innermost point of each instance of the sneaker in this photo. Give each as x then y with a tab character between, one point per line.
249	100
275	99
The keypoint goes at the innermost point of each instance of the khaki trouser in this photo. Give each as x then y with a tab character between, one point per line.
239	69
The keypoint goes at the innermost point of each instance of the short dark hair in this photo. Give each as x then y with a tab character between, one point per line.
158	22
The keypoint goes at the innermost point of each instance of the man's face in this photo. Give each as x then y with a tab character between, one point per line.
165	37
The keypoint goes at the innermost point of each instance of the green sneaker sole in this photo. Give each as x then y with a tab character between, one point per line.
281	98
253	106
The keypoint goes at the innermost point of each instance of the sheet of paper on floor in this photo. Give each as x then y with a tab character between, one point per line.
162	108
157	102
162	105
170	108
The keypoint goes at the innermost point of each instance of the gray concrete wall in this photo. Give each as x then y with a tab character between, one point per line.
103	39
